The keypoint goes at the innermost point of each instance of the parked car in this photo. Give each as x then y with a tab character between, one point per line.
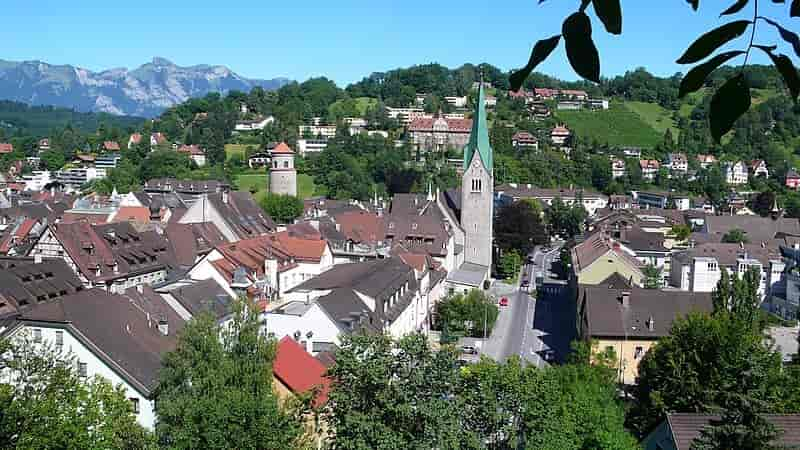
469	350
504	301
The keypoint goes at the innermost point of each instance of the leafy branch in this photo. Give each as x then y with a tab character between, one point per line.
729	102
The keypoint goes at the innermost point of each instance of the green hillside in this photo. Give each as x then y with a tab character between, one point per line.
618	126
258	180
655	115
39	121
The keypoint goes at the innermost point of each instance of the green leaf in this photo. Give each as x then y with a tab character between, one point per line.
610	13
581	52
714	39
788	36
794	10
787	70
540	52
736	7
694	78
730	101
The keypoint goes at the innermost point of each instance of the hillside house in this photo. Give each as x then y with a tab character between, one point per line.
650	168
758	167
523	139
736	173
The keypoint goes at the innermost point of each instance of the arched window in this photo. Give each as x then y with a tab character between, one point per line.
476	185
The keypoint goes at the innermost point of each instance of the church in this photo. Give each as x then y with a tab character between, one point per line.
470	210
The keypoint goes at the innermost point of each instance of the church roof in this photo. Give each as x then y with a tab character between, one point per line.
479	138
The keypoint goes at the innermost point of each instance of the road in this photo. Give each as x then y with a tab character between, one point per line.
527	327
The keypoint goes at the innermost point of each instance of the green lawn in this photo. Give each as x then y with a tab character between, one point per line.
236	149
362	104
654	115
259	181
618	125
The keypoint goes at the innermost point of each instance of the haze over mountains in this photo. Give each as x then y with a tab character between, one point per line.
145	91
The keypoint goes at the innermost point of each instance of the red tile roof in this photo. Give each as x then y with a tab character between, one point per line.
140	214
191	150
71	217
135	138
453	125
560	131
6	147
110	145
299	371
251	253
361	226
649	164
282	148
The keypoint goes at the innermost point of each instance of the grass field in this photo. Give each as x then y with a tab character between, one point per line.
362	104
236	149
259	181
654	115
619	126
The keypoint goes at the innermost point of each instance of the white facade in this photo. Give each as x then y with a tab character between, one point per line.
253	125
311	145
617	168
323	131
37	180
74	346
407	115
736	173
313	325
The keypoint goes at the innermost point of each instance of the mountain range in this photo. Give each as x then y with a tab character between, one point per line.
145	91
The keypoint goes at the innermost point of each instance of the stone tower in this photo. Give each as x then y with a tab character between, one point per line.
282	175
477	190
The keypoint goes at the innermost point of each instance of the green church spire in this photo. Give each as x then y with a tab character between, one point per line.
479	138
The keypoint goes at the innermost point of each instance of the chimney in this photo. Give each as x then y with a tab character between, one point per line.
625	298
651	324
163	326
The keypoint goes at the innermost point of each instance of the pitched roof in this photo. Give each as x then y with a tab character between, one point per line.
281	149
282	247
24	283
190	240
649	164
597	245
110	145
479	136
242	214
200	296
728	254
116	327
372	278
6	147
524	136
360	226
686	427
649	314
299	371
453	125
758	229
137	214
191	150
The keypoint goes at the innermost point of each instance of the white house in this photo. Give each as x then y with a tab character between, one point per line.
617	168
106	335
253	125
759	168
311	145
649	168
677	162
591	201
736	173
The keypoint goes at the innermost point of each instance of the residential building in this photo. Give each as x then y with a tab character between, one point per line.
37	180
6	148
591	201
439	134
26	282
560	136
629	319
523	139
235	214
650	168
74	178
258	123
758	167
698	269
43	145
110	146
108	335
317	131
677	163
113	256
706	161
678	431
792	179
757	229
282	174
599	257
106	162
305	146
265	267
407	115
458	102
632	152
194	153
618	168
258	160
735	173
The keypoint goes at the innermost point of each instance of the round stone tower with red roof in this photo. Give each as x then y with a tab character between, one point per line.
282	174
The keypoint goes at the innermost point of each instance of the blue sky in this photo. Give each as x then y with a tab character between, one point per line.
347	39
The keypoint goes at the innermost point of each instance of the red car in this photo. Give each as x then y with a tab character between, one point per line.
504	301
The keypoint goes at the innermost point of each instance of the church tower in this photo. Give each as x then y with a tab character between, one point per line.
477	190
282	174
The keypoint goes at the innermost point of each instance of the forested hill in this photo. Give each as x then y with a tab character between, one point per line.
39	121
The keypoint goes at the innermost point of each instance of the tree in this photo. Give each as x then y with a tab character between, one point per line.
519	226
763	203
472	314
735	236
652	276
282	208
215	389
741	427
165	163
510	263
681	232
389	394
566	220
53	407
53	160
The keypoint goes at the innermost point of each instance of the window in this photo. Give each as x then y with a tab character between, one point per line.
286	164
476	185
82	369
59	339
37	335
638	352
712	266
135	404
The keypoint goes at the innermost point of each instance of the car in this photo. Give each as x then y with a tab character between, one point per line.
504	301
469	350
526	283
